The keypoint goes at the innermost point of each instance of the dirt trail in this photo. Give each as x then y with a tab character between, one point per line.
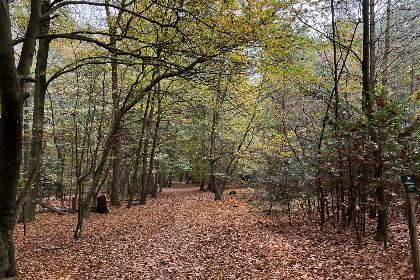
184	234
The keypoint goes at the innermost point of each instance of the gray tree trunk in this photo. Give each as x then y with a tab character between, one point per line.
37	127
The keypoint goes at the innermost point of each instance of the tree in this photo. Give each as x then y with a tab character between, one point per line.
12	80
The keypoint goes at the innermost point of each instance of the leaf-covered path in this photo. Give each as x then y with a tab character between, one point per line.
184	234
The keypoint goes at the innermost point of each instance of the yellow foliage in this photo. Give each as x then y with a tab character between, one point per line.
280	138
416	96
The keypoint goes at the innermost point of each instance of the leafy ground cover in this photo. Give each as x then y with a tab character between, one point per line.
184	234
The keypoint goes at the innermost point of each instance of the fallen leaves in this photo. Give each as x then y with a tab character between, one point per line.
184	234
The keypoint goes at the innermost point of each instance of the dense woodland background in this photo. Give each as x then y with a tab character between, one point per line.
311	104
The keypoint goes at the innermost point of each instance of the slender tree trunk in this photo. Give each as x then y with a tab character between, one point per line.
78	232
352	198
154	146
219	99
372	45
31	186
26	137
366	101
214	183
116	167
124	183
289	212
157	180
203	152
367	106
387	44
138	153
144	190
337	102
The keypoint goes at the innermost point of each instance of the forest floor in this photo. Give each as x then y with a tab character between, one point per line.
184	234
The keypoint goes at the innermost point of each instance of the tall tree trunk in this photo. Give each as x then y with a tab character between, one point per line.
26	137
10	155
387	44
382	226
138	153
367	106
116	166
337	102
213	179
203	151
372	45
144	176
219	99
157	181
11	100
31	186
154	145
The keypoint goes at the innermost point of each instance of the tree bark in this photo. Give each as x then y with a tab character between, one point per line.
367	107
116	166
387	44
414	241
154	146
11	122
372	45
203	152
138	153
214	183
31	186
337	102
144	176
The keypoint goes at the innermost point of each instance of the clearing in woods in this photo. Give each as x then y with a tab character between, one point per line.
184	234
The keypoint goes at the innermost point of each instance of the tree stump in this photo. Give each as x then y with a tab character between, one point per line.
101	207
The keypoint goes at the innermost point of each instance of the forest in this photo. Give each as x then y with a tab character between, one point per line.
224	139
